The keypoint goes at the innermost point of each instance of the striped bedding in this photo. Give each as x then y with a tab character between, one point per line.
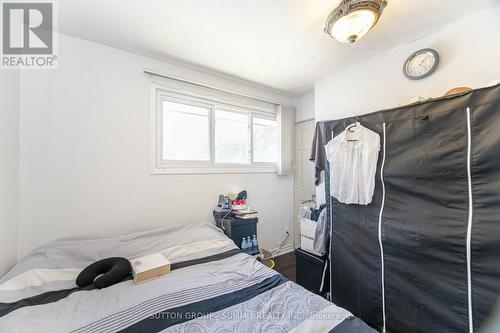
213	287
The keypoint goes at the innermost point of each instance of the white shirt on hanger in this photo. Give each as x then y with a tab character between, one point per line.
353	157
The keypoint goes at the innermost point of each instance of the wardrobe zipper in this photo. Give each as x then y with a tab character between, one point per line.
469	222
380	231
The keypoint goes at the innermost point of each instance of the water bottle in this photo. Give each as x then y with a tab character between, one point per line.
255	244
244	245
249	245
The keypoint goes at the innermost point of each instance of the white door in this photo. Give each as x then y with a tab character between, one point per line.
304	170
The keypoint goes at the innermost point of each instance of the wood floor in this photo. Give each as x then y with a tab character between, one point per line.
285	264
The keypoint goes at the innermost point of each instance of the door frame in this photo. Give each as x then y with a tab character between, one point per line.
296	224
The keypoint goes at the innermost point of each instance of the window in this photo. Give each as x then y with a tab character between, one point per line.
196	134
186	132
265	140
231	137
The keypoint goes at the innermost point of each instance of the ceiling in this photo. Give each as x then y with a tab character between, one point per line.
275	43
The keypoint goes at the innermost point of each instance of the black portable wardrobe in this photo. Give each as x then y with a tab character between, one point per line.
424	256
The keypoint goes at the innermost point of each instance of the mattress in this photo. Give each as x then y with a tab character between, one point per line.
213	287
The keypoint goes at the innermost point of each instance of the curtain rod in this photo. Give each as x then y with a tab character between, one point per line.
158	73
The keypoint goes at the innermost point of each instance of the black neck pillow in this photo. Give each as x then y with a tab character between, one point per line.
104	273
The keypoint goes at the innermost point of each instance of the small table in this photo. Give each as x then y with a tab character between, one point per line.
309	271
234	227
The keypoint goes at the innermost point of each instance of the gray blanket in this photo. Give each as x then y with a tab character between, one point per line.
228	292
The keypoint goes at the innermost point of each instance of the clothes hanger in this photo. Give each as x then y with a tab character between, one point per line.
351	127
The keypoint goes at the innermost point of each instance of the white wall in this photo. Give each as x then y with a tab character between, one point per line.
84	153
9	166
304	107
469	52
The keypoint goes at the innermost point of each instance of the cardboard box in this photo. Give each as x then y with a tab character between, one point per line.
149	267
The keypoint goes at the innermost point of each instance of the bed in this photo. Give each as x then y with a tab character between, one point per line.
213	287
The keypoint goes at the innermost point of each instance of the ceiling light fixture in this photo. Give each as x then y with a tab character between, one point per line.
352	19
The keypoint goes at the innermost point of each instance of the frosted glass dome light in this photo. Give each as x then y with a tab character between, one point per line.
352	19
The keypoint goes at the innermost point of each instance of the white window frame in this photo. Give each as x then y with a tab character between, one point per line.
158	166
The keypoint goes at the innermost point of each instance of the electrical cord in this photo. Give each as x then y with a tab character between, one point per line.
222	221
273	253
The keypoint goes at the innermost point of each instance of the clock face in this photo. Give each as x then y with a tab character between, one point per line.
421	64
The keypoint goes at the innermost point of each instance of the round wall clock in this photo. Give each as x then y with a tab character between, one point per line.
421	64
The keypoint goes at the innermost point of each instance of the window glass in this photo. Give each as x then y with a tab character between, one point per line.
186	132
265	140
231	137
